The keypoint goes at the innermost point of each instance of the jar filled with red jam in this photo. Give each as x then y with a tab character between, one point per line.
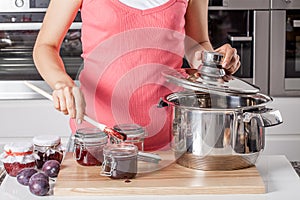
135	134
17	156
88	146
47	147
120	161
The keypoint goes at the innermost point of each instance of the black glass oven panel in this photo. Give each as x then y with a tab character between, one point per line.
29	17
292	48
16	61
226	23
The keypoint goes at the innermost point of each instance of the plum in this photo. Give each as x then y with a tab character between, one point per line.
39	175
25	174
51	168
39	186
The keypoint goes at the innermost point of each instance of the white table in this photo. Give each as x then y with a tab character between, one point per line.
281	181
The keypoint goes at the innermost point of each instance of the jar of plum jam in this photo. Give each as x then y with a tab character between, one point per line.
47	147
120	161
88	146
17	156
135	134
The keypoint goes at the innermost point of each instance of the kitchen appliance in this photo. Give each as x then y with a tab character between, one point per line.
244	25
219	121
20	21
285	48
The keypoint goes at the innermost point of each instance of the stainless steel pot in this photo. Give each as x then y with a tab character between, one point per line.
219	122
217	132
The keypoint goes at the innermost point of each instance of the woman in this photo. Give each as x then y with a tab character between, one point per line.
126	45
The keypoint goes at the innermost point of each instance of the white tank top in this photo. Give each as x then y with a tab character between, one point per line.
143	4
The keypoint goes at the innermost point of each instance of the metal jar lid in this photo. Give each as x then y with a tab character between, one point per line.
132	131
121	150
210	78
90	135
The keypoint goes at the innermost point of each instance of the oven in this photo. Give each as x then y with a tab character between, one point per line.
20	21
244	25
285	48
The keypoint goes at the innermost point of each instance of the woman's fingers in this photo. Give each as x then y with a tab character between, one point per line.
79	104
231	62
70	105
60	101
63	100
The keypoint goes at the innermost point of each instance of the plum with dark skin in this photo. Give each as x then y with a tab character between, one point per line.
39	186
51	168
39	175
25	174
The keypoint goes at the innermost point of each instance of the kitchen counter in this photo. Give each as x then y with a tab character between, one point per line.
281	181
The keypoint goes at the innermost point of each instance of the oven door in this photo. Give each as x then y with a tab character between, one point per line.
16	63
285	52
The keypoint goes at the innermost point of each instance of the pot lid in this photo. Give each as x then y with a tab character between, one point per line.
210	77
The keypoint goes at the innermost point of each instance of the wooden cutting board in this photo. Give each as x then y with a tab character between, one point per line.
164	178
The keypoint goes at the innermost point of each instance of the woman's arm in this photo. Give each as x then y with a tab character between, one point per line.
196	26
59	16
197	38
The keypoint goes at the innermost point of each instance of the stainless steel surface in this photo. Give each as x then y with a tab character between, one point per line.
296	23
31	26
211	66
26	6
261	51
212	58
240	38
242	4
265	117
215	132
285	4
279	84
277	52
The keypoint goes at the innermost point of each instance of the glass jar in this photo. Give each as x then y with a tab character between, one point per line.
135	134
88	146
120	161
17	156
47	147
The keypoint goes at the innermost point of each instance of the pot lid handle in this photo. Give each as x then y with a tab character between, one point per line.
212	67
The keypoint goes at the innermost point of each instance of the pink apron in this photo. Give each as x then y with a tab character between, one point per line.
125	50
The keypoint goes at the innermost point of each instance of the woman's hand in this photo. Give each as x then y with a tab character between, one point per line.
231	62
69	100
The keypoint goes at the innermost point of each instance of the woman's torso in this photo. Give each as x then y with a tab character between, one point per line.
125	50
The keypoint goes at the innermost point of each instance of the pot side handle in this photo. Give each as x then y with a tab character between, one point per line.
162	103
266	117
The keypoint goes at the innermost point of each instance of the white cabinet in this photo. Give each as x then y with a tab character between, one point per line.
284	139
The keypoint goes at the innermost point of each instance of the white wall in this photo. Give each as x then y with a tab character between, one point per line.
24	119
